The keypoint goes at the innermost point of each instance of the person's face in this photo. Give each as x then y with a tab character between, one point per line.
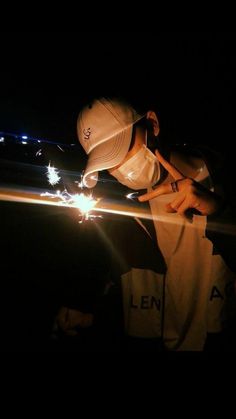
140	168
139	138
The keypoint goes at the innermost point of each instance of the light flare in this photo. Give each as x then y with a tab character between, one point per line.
39	153
60	199
132	196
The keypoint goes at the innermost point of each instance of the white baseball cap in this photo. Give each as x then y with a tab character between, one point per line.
104	129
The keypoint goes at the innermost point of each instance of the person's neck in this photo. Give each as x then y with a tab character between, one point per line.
165	152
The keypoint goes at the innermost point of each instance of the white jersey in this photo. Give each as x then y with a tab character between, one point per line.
184	303
195	282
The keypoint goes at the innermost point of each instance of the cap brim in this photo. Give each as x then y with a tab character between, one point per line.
107	155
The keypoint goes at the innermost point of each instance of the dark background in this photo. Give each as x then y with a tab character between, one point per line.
45	78
188	76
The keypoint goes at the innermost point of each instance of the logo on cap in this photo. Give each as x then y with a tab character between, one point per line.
87	133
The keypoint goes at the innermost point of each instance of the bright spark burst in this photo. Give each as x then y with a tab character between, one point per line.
84	203
52	175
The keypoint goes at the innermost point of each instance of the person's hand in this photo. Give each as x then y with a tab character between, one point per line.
68	319
188	195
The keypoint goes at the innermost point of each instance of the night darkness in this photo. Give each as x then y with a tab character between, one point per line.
45	78
188	76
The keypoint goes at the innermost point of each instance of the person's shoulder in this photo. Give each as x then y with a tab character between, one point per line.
195	154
